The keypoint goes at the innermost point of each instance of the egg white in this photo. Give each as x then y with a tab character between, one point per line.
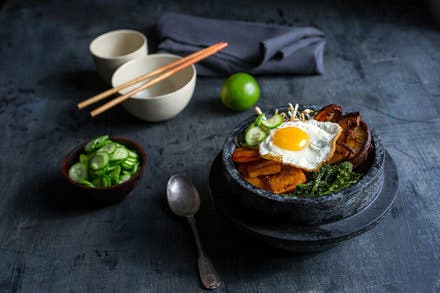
321	146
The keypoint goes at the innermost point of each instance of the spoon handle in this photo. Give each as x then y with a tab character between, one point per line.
208	275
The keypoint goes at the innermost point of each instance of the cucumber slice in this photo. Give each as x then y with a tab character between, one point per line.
83	159
86	183
254	135
99	161
113	173
132	154
259	120
108	148
111	167
127	165
98	173
273	121
96	143
124	178
132	160
97	182
106	181
135	168
125	172
103	181
120	154
78	171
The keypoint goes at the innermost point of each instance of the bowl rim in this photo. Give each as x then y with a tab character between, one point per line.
149	57
65	167
229	165
94	42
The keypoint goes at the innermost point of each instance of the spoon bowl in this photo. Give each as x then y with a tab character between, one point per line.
183	197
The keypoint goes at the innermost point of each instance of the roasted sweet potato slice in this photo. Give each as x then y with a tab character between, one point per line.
263	168
243	169
256	181
245	155
286	180
332	113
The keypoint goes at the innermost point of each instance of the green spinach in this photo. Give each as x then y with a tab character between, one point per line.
329	179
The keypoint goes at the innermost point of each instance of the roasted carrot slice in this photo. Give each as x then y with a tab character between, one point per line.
286	180
243	169
263	168
244	155
256	181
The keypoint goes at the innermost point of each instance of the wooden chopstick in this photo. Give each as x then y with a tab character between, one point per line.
112	91
174	70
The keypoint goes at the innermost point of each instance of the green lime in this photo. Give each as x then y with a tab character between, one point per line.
240	91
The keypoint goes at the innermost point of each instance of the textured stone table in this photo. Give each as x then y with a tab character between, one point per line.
381	59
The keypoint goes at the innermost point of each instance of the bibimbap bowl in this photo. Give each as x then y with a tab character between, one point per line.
304	210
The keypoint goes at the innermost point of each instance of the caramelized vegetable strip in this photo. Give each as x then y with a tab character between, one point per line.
244	155
243	169
256	181
332	113
263	168
285	181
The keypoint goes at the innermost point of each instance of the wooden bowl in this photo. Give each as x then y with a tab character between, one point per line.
111	194
304	210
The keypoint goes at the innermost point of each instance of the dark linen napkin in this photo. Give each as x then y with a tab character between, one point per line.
255	48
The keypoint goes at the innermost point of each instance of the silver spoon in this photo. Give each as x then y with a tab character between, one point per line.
184	201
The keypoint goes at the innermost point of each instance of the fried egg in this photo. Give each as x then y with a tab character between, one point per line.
302	144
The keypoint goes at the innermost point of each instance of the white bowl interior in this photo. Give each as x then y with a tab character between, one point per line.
141	66
117	43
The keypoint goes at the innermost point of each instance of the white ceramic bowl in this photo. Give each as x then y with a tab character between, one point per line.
163	100
112	49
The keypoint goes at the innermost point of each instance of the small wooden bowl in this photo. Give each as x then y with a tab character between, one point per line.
111	194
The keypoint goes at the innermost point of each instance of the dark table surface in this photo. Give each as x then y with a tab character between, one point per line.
382	58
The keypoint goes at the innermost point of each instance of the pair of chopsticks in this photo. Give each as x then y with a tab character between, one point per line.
173	68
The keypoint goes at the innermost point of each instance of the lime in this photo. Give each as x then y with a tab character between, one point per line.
240	91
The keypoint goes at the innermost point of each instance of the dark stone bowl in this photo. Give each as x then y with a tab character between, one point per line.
296	237
304	210
111	194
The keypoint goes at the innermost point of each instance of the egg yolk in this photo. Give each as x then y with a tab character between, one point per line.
290	138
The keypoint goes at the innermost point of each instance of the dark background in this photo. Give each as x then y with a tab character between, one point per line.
382	59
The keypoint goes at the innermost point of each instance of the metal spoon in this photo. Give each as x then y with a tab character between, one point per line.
184	201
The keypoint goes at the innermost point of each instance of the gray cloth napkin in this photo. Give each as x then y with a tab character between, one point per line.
255	48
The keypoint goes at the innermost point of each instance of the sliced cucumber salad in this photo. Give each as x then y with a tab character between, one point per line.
258	131
104	163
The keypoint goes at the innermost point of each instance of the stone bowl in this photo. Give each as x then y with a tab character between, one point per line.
104	195
304	210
